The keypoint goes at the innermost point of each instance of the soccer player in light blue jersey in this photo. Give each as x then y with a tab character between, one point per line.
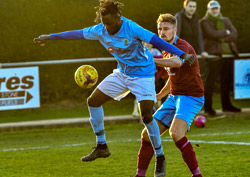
124	39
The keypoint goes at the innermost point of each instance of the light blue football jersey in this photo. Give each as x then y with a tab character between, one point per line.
134	59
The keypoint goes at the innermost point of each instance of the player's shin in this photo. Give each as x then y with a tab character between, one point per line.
145	155
155	138
97	122
188	155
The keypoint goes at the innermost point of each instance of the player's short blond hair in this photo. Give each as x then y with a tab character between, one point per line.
167	18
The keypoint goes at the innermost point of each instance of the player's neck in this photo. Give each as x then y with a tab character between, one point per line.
172	41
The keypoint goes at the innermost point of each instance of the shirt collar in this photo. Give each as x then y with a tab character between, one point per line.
175	40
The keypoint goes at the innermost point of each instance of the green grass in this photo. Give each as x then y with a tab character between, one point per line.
61	149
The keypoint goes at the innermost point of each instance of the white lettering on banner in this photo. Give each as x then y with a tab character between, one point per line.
19	88
8	94
11	102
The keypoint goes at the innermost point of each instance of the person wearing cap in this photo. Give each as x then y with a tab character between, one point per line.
188	26
219	35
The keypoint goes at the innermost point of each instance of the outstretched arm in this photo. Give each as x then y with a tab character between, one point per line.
67	35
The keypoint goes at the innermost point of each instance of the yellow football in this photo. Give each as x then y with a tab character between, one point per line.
86	76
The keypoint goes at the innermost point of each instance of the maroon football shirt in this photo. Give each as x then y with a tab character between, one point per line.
185	80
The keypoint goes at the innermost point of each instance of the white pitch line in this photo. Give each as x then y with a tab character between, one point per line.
43	147
221	142
218	134
215	134
213	142
129	140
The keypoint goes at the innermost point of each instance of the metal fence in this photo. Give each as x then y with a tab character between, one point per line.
86	60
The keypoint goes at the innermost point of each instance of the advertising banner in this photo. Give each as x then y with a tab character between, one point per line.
19	88
242	79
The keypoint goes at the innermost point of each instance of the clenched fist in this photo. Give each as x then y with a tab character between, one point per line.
188	58
42	39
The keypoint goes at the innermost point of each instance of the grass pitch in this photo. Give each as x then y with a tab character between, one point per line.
223	151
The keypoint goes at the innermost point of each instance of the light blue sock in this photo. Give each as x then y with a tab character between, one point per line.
97	122
154	135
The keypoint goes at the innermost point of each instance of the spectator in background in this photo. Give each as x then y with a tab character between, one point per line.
188	26
219	34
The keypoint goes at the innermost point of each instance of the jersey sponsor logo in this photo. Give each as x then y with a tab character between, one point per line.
111	50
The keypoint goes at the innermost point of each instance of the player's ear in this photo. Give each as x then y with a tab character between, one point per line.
175	29
116	15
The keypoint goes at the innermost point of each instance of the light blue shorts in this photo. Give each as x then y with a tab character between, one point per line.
179	106
118	85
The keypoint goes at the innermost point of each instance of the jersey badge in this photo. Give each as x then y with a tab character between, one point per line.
126	42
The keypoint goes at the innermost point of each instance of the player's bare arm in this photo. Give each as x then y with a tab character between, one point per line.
173	62
164	91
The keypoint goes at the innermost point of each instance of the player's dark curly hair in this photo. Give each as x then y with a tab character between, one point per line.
107	7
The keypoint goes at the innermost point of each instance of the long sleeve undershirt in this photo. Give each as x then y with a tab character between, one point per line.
68	35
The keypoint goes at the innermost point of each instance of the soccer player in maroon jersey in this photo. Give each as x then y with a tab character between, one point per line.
185	100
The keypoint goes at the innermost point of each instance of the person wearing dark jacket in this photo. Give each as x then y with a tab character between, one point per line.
188	26
219	36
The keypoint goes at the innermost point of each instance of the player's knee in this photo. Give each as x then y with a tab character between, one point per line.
146	116
175	135
91	102
147	119
144	135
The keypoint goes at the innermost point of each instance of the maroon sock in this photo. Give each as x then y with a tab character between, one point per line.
197	175
188	156
145	155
